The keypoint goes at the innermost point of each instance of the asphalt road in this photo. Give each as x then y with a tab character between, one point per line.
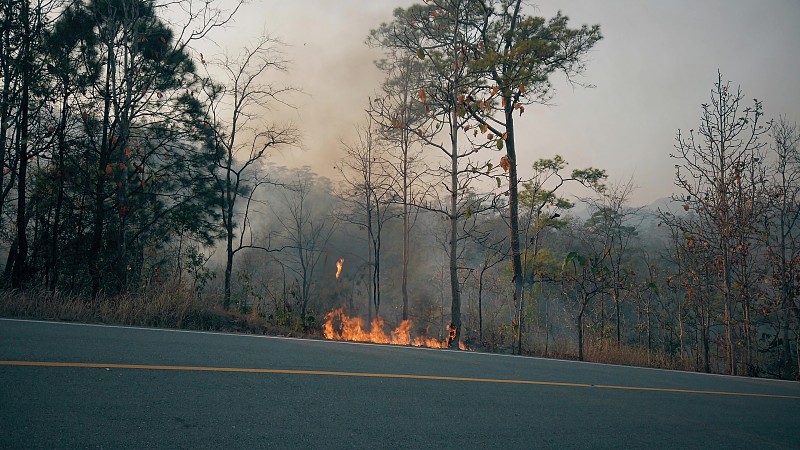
76	386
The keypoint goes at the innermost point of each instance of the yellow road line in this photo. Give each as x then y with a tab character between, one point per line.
378	375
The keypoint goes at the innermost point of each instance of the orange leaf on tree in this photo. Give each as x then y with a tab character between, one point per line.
505	163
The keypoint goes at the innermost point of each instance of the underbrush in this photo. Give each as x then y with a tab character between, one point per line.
631	356
170	305
597	352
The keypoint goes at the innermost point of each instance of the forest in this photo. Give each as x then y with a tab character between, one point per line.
139	187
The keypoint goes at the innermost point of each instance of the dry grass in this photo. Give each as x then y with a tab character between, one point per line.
631	356
166	306
609	353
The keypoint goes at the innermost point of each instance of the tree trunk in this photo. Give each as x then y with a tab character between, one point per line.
4	100
406	238
19	273
619	320
513	207
681	329
580	336
406	225
122	187
377	274
748	356
99	200
226	300
53	265
455	306
480	304
370	285
705	325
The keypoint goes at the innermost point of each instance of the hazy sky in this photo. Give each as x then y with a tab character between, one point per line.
657	63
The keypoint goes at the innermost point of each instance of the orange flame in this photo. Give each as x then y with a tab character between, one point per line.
339	265
339	326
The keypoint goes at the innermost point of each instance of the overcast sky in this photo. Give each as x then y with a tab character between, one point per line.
657	63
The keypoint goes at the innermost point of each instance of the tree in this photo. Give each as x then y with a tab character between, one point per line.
516	55
305	232
583	277
437	33
69	38
22	109
613	221
241	138
712	165
493	250
128	79
398	111
368	193
782	239
542	202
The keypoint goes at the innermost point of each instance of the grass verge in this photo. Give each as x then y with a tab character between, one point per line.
167	306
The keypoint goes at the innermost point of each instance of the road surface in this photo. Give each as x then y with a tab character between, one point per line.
67	385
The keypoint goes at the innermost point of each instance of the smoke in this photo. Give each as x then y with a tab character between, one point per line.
329	63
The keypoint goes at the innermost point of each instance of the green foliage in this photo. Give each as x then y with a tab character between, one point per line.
591	177
520	52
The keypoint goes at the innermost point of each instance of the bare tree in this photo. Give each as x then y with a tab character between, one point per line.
712	164
242	138
493	249
584	272
782	233
398	112
616	224
305	231
369	195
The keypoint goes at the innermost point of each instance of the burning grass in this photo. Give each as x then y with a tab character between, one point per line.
339	326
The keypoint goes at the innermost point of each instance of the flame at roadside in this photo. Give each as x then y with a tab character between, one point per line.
339	326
